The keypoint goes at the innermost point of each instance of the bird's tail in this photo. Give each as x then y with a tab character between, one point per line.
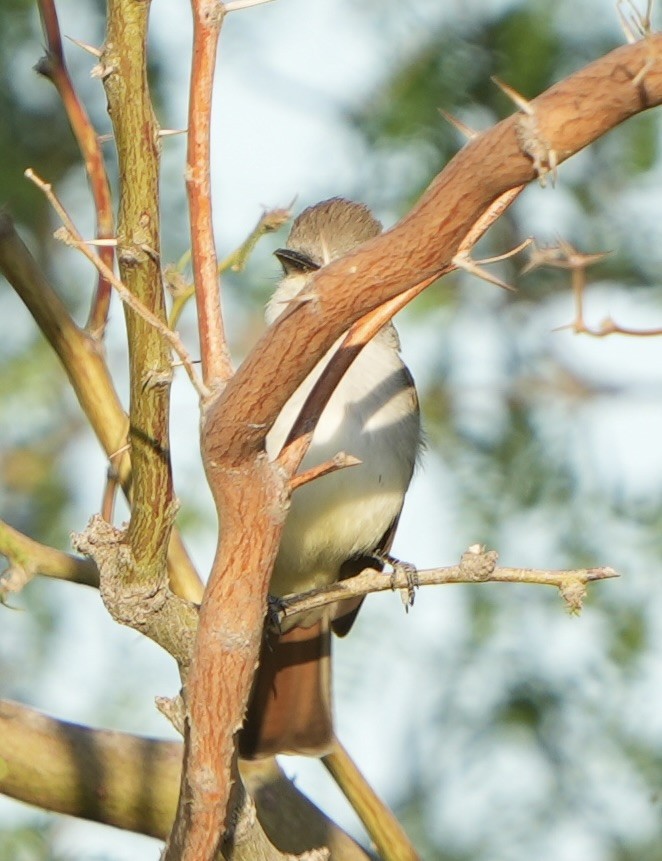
289	710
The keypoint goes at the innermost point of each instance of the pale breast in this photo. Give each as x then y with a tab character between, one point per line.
373	415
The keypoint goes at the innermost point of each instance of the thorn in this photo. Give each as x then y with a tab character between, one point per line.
464	262
513	251
464	129
235	5
150	252
105	138
523	104
165	133
601	573
121	450
179	364
101	243
96	52
645	69
102	71
297	300
638	26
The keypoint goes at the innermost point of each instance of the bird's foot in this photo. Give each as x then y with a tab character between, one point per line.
276	608
399	570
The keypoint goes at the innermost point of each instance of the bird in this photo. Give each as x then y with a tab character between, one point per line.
342	522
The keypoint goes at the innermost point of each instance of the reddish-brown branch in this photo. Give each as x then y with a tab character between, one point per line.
339	461
216	362
53	67
360	334
570	115
249	494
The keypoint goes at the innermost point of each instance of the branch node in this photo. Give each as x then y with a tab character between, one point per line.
477	564
537	147
573	592
14	579
530	137
174	710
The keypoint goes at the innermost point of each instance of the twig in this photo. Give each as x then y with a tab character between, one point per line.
182	291
216	362
609	327
564	256
28	558
270	220
53	67
477	566
384	830
72	237
340	461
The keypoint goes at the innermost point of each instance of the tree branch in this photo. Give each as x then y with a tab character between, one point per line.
90	379
216	362
28	558
251	494
477	566
390	840
110	777
131	782
53	67
569	116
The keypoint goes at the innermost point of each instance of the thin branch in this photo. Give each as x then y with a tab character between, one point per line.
610	327
216	361
53	67
564	256
181	291
477	566
28	558
341	461
72	237
385	831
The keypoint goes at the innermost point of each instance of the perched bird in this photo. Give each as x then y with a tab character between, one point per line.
342	522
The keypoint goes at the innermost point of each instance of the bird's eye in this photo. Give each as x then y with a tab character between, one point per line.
294	262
